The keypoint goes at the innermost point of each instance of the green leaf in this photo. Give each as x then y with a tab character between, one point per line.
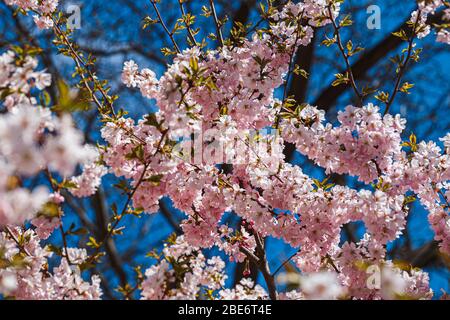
340	79
148	22
329	41
368	90
406	86
193	64
382	96
168	52
401	34
150	120
409	199
50	210
412	143
300	72
155	179
71	100
67	184
45	98
93	243
349	46
347	21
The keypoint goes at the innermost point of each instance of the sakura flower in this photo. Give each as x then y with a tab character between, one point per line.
321	286
43	22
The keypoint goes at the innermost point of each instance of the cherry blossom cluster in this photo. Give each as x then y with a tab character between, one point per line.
443	35
363	145
367	275
43	10
183	273
198	88
231	86
25	274
246	289
34	139
426	171
89	180
17	81
419	19
379	154
233	89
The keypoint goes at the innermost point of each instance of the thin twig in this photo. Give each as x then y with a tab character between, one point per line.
82	65
188	27
404	65
217	22
119	217
290	71
21	247
161	21
260	260
284	263
55	188
347	62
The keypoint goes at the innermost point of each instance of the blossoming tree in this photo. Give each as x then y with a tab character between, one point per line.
216	146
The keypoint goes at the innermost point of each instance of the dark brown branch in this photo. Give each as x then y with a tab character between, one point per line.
259	259
299	84
241	15
169	217
284	263
217	22
264	267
